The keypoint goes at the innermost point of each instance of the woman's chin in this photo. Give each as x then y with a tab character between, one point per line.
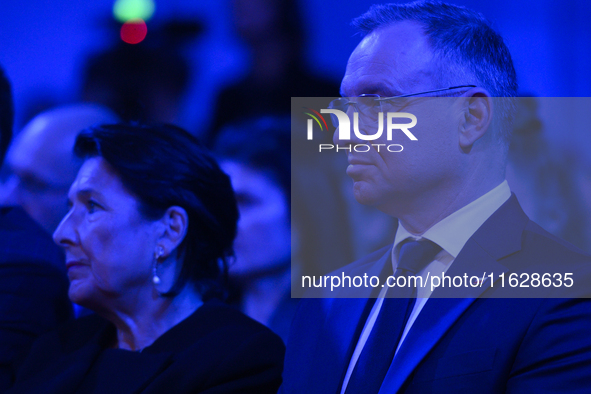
78	293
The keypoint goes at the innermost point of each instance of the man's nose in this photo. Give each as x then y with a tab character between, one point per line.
340	139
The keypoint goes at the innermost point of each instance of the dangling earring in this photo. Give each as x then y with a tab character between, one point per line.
157	254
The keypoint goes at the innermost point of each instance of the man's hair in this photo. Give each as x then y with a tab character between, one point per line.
468	49
6	115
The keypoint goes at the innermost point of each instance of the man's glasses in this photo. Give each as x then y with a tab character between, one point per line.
370	105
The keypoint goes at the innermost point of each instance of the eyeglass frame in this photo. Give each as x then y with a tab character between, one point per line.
382	99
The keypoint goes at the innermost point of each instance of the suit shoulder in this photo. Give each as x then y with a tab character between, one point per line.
222	315
231	333
235	353
215	325
545	255
554	255
535	235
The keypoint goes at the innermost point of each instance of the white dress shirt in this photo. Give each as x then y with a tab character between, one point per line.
451	234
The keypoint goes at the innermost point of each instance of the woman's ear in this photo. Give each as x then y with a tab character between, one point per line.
176	224
478	112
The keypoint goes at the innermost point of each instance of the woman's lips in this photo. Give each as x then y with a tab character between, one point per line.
74	263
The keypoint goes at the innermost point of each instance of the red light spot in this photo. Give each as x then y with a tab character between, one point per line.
134	31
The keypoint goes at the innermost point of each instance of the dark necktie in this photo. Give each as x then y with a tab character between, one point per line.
378	352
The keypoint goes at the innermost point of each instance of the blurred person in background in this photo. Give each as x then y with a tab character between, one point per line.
273	32
42	163
291	214
144	82
33	284
256	157
546	179
150	227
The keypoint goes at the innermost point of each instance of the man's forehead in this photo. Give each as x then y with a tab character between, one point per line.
41	144
392	59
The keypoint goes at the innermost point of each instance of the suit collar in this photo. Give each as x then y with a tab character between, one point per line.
500	235
452	232
497	238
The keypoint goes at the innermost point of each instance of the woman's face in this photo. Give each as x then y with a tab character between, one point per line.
263	241
109	246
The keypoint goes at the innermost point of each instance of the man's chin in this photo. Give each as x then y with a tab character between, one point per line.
364	194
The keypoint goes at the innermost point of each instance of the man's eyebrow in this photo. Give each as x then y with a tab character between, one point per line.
382	89
379	88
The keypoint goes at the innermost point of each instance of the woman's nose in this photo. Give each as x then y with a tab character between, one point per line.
65	234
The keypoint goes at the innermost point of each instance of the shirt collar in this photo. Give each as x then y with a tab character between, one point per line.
455	230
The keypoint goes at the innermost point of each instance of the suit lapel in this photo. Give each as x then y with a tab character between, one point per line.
439	314
344	323
421	339
498	237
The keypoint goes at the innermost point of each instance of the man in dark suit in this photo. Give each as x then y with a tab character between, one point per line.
456	217
33	283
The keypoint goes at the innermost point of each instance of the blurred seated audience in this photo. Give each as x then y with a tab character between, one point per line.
144	82
150	227
256	157
42	163
33	283
273	31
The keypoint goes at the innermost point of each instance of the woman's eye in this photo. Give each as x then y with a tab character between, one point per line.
92	206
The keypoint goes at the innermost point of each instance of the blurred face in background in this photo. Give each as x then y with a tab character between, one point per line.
42	162
43	169
263	242
255	19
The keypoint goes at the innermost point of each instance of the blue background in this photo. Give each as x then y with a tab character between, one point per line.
43	45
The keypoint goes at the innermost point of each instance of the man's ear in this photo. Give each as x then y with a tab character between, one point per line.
478	112
176	224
